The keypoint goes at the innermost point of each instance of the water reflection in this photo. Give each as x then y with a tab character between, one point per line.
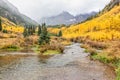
43	58
8	59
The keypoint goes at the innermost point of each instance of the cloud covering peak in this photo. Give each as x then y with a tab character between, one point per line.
37	9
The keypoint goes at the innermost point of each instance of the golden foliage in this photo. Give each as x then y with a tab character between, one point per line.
105	27
11	27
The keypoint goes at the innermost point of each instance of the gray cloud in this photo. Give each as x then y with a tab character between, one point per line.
37	9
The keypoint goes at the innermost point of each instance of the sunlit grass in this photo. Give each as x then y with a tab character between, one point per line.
51	52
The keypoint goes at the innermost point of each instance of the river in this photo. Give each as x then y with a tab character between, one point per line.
74	64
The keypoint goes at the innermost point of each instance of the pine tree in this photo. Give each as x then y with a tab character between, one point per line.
44	37
39	30
34	28
29	30
0	24
25	33
60	33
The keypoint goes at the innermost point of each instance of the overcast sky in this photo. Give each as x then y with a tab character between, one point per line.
37	9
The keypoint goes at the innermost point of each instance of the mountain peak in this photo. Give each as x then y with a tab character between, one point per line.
65	13
65	18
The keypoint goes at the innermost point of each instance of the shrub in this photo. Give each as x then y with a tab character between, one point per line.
60	33
5	31
52	46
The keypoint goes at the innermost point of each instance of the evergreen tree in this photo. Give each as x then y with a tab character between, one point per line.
44	25
44	37
34	28
25	33
39	30
60	33
0	24
32	31
29	30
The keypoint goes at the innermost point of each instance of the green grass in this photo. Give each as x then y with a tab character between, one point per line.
51	52
10	48
101	58
118	73
86	51
116	63
35	48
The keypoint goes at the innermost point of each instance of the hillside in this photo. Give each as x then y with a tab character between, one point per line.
10	12
104	27
10	26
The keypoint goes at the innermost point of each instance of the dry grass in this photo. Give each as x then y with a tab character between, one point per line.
10	40
113	49
52	46
110	49
30	41
6	35
98	45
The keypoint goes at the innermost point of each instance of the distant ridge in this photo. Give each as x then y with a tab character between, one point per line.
66	18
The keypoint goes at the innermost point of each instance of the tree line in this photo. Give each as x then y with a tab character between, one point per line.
44	37
0	24
29	30
42	32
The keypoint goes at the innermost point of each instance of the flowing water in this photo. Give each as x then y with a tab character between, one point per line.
74	64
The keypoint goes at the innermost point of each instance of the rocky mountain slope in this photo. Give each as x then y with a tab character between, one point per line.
9	11
111	5
66	18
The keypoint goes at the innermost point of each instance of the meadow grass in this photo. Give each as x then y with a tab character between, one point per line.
51	52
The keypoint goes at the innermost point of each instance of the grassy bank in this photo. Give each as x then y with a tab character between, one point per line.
115	63
10	48
106	52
